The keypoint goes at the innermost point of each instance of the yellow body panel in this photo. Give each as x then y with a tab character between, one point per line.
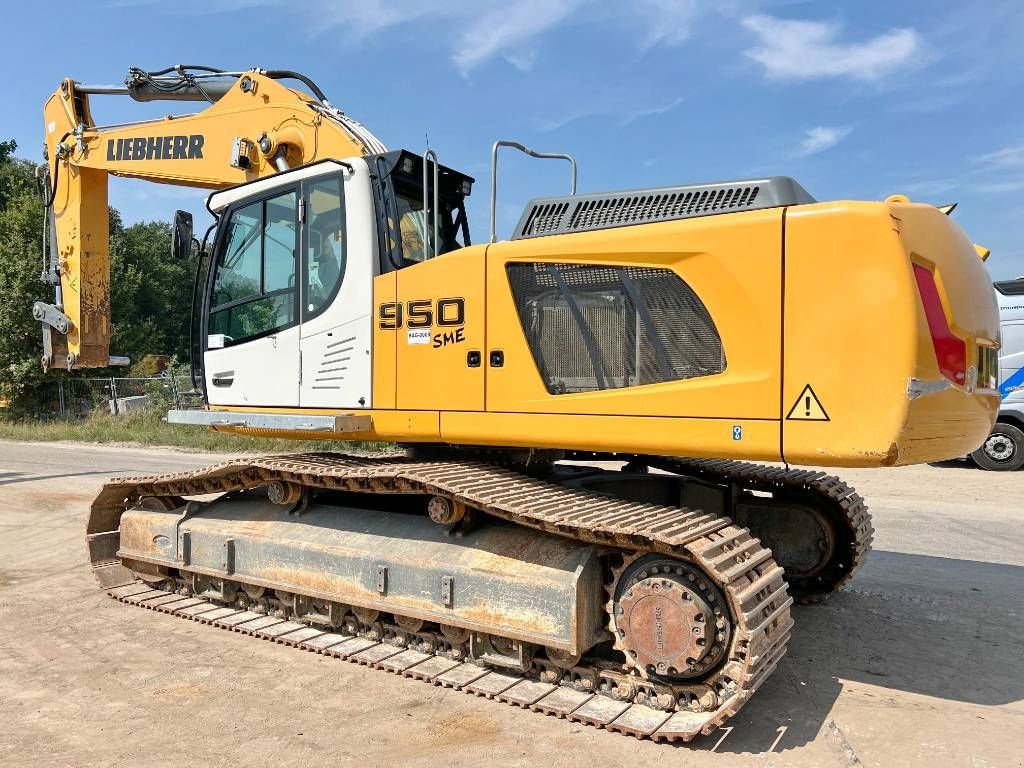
850	332
385	351
815	301
666	436
819	299
855	331
733	263
434	374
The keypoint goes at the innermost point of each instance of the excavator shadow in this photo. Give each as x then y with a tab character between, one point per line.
956	464
8	478
939	627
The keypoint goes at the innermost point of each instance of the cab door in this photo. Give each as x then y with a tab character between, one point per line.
337	267
252	349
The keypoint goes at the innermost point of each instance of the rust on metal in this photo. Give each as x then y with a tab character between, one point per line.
666	624
742	580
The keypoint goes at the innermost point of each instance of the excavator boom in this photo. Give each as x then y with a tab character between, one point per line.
253	126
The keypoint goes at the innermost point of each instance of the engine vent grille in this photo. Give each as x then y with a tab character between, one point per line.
334	364
598	327
579	213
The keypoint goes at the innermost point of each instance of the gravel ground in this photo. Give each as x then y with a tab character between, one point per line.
920	662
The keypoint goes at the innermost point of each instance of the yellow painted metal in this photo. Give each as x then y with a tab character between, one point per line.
83	248
385	288
666	436
856	332
659	435
435	374
839	319
956	417
733	263
85	161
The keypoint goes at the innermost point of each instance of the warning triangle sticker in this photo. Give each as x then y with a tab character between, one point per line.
807	407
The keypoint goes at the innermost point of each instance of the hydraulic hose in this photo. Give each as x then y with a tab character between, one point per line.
56	173
286	74
179	67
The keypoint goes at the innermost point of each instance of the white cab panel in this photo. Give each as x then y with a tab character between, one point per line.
258	372
324	361
218	201
336	344
336	367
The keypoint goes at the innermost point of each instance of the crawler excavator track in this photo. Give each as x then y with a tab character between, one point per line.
727	580
841	524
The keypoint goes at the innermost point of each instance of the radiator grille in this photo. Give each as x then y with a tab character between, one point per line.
597	327
578	213
547	218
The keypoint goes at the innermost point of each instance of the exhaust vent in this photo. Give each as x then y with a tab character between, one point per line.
580	213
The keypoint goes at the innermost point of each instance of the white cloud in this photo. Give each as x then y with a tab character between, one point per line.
474	31
820	138
548	124
993	173
640	114
625	117
929	187
506	29
665	22
362	19
793	49
1007	157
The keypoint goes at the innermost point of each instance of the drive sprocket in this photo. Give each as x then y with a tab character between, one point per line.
668	618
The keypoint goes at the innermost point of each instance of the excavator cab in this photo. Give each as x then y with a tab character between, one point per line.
291	270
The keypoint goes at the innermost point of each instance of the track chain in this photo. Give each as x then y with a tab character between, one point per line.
844	505
751	581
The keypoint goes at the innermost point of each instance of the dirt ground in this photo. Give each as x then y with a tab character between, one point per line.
920	662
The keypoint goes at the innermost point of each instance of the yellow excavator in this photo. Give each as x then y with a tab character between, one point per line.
571	524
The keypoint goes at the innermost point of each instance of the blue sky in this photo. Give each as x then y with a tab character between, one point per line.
855	100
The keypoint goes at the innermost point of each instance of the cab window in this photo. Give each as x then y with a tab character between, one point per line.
254	282
412	226
326	244
416	227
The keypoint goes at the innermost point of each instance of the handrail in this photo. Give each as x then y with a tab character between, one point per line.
531	153
437	245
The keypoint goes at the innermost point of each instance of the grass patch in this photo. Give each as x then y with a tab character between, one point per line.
149	428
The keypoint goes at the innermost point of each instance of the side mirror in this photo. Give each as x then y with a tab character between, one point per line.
181	236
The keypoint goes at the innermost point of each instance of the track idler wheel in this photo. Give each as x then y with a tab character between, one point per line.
669	619
818	550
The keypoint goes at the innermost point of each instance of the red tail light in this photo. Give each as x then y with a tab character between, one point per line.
950	351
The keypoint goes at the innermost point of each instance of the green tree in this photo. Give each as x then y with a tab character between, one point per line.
21	221
151	293
6	152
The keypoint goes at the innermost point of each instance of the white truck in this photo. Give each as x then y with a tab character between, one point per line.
1003	449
